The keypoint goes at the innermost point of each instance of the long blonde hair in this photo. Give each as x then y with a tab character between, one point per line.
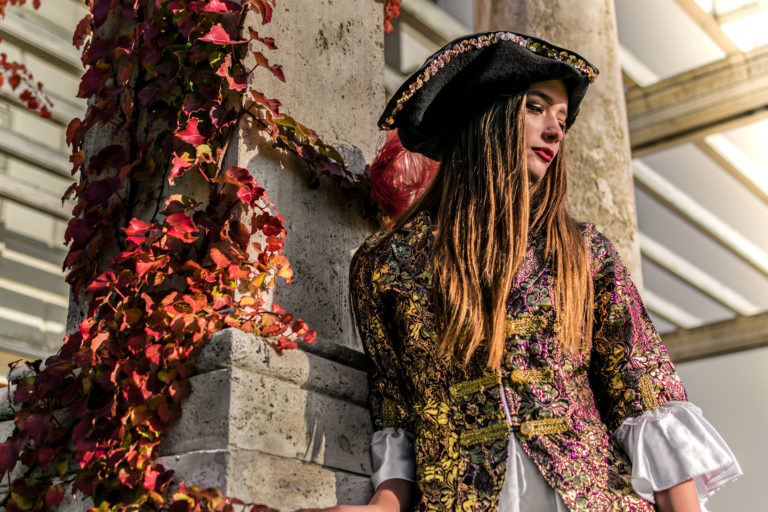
484	206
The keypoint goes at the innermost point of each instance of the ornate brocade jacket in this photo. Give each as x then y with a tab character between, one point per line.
562	407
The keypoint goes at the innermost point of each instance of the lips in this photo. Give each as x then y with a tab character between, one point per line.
546	154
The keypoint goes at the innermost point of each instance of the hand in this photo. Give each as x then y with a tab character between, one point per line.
392	495
680	498
343	508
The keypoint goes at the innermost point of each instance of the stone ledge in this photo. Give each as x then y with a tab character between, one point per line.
237	349
239	409
253	476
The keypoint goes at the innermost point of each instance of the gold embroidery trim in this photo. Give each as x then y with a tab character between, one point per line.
543	427
532	376
524	325
647	393
492	432
469	387
389	412
486	40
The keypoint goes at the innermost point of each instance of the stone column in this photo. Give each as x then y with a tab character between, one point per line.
292	430
599	161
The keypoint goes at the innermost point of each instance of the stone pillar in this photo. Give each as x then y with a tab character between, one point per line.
292	430
599	160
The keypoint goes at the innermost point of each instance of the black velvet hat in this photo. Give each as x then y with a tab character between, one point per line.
471	71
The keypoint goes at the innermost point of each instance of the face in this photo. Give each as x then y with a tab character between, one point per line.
546	108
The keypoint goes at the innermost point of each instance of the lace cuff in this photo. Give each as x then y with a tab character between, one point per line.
672	444
392	455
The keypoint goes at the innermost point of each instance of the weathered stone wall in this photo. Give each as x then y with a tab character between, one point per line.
333	59
292	430
289	430
599	162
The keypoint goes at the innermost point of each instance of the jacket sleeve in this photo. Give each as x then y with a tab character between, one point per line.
389	407
630	368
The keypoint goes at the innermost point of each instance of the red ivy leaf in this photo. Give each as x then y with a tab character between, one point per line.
100	282
153	353
14	81
262	61
181	164
54	495
269	42
9	454
138	227
217	35
190	134
219	259
264	7
215	6
271	104
180	226
82	31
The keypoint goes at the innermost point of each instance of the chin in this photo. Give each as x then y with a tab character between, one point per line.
535	175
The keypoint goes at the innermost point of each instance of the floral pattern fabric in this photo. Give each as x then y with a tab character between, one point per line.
561	407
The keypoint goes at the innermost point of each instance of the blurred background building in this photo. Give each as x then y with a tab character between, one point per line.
696	83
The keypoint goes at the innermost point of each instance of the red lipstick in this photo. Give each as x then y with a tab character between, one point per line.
545	153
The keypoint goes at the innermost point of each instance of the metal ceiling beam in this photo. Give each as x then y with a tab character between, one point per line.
756	187
742	333
35	153
670	311
706	100
694	276
33	197
709	24
432	21
699	216
41	40
739	13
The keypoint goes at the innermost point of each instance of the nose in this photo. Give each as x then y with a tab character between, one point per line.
553	132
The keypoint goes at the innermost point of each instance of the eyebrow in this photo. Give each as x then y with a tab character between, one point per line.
546	97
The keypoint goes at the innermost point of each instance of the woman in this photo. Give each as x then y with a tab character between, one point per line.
513	366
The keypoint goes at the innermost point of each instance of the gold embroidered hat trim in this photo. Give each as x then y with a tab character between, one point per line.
444	58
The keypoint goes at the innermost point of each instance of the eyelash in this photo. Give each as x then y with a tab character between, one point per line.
539	110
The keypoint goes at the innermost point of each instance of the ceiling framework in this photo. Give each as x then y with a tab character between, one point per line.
706	100
741	333
709	24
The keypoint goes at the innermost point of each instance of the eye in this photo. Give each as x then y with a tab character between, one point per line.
533	107
562	126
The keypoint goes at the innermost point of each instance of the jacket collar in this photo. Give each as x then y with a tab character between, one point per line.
412	249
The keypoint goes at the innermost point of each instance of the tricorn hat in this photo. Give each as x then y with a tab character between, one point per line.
469	72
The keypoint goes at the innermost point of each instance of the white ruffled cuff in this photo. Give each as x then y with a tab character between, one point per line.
672	444
392	455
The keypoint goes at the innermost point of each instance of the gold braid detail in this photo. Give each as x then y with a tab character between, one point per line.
532	376
524	325
648	393
543	427
492	432
468	387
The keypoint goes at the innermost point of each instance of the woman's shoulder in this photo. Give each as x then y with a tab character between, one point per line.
602	252
597	241
380	246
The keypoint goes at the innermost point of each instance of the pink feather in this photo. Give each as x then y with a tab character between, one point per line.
399	176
